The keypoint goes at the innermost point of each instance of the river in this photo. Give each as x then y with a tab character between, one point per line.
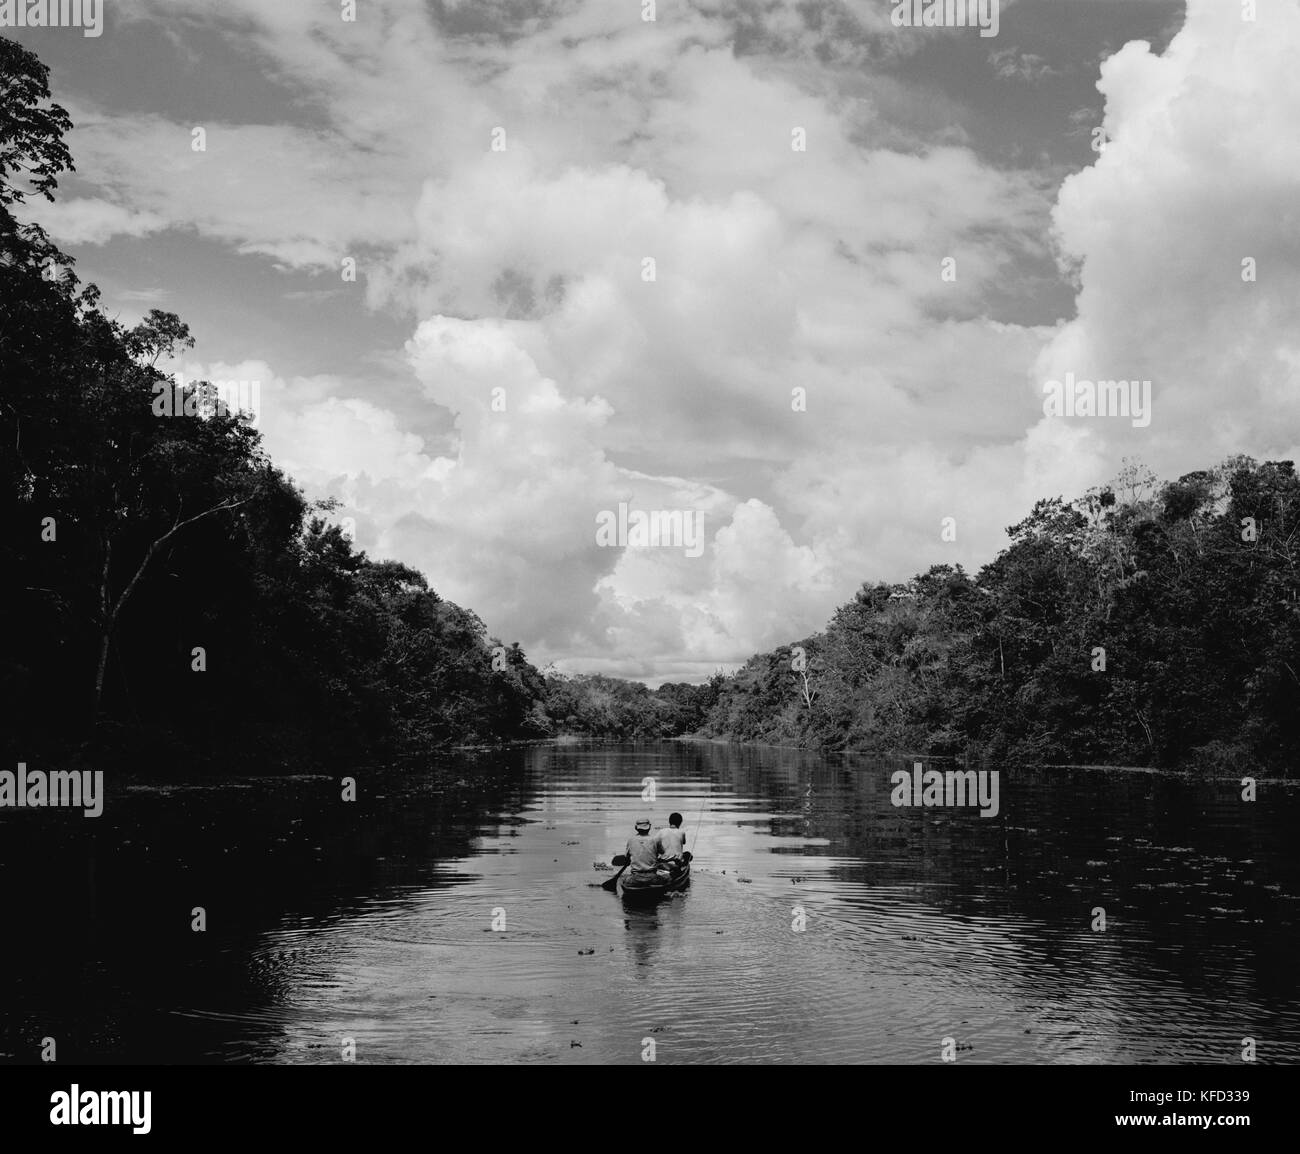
454	913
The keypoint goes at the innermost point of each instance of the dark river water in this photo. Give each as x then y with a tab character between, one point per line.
373	920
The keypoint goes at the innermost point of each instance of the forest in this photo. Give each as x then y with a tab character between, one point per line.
175	598
1142	624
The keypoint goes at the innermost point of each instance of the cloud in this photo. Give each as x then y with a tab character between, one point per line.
255	187
144	296
1013	64
634	142
794	366
92	220
1198	177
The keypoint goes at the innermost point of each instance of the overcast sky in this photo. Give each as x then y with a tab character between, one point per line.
523	269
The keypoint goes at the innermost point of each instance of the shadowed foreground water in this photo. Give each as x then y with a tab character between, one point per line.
373	920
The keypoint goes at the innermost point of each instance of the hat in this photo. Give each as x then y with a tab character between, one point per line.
643	826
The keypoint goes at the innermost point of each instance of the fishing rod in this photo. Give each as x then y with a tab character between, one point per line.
696	834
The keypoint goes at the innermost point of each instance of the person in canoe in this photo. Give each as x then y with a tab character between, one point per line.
643	850
672	843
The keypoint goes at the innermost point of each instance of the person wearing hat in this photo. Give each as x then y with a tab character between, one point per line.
643	849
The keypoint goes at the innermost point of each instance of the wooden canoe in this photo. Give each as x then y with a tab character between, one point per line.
646	889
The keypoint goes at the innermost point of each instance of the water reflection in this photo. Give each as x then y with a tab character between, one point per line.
642	927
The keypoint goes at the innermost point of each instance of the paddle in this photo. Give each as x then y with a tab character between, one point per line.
612	884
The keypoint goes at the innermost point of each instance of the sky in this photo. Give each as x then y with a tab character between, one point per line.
791	271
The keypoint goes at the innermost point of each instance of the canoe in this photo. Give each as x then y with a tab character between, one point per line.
645	889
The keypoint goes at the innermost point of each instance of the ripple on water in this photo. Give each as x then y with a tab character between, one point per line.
822	924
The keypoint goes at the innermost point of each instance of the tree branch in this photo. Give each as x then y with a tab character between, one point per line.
144	564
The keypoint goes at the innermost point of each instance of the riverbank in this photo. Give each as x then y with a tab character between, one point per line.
1194	771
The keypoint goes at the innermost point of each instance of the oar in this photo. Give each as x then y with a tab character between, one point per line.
612	884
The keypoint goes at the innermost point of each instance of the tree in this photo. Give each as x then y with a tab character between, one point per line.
31	129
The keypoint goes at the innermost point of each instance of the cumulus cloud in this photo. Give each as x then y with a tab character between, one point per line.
793	365
1197	177
647	279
